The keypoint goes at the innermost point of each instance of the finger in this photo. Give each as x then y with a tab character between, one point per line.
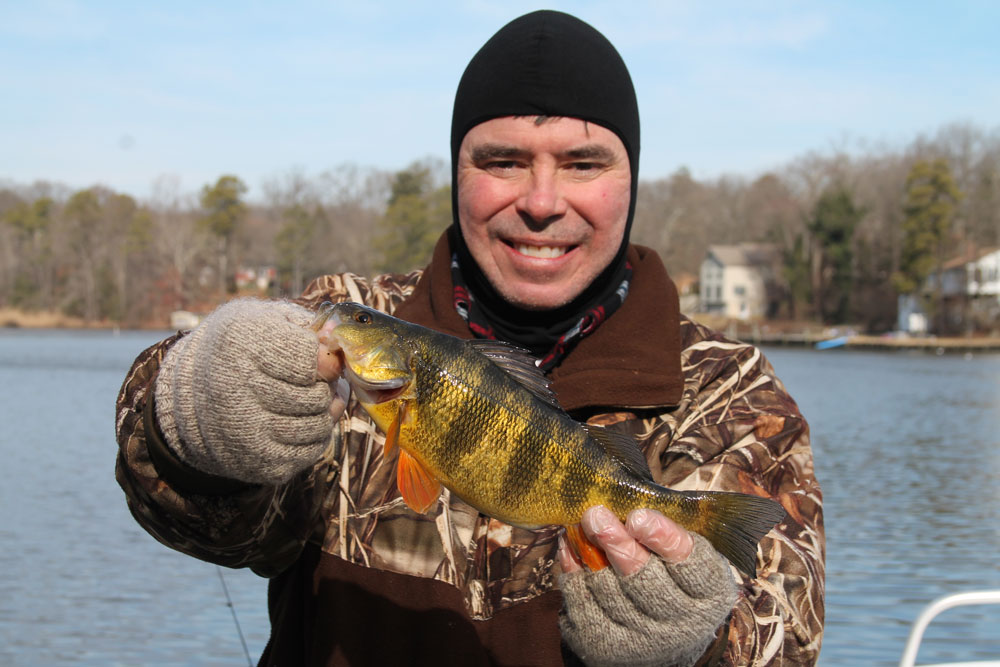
568	560
604	529
341	394
285	398
664	537
329	365
303	431
325	333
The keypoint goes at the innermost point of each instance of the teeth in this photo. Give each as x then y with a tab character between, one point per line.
543	252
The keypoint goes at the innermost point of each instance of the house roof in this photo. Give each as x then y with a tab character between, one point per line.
971	255
744	254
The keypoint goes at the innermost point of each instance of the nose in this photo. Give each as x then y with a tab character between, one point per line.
542	200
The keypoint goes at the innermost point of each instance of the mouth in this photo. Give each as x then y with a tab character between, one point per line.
539	251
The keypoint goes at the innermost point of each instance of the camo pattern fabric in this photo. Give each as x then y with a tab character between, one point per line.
735	429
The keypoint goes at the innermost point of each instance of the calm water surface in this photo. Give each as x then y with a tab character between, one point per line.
907	450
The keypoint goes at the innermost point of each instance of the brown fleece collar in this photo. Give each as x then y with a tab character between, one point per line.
631	361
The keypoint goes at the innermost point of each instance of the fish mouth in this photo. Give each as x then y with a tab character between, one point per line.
375	392
367	391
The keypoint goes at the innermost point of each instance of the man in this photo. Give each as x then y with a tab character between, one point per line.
239	445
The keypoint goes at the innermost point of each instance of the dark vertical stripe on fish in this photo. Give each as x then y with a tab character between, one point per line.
523	470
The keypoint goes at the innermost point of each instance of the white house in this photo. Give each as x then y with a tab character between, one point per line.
735	280
983	276
970	290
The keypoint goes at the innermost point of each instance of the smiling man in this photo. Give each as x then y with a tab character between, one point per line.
238	442
542	206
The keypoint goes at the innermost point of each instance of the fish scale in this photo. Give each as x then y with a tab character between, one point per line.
468	433
478	418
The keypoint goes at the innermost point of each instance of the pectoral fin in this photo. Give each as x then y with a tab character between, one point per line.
392	435
591	555
419	487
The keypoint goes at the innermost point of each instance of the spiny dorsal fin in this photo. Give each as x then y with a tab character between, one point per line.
520	365
622	448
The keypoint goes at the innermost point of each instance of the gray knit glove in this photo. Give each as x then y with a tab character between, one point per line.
664	614
238	397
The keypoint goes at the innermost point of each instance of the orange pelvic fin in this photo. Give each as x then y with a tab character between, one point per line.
419	487
591	555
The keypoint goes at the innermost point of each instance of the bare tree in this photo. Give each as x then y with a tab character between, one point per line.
181	247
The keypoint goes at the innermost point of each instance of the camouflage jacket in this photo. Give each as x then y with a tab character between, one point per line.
724	422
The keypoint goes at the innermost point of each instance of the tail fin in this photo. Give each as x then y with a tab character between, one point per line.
734	523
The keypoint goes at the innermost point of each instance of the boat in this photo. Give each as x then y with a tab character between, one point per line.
832	343
933	609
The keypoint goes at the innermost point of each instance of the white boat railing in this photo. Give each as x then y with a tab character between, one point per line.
948	602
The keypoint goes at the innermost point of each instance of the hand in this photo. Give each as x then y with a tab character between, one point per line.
661	602
250	394
625	545
330	367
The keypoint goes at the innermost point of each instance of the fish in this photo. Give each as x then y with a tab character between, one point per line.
479	418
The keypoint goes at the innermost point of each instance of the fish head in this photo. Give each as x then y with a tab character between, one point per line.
374	347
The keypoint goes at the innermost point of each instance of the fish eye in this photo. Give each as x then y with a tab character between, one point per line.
362	318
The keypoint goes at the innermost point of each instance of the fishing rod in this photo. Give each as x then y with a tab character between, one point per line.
232	609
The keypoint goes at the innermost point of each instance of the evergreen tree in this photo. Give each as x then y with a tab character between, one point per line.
130	236
32	224
795	272
85	216
832	225
928	213
298	233
416	215
224	209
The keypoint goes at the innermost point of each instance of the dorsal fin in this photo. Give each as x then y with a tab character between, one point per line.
622	448
520	365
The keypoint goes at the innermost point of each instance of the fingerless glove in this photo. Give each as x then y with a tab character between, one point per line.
238	397
664	614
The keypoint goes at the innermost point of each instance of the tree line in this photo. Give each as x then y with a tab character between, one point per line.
852	230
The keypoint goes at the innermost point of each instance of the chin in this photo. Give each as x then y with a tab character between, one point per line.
535	297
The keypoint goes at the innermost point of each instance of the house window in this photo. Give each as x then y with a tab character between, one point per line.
740	290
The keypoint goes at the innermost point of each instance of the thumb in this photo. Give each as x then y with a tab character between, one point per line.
330	364
340	393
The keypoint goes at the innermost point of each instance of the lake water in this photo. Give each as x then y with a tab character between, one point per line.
907	451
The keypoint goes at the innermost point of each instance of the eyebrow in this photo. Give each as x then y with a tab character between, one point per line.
590	152
486	152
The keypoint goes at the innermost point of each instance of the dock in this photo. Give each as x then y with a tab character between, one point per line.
936	344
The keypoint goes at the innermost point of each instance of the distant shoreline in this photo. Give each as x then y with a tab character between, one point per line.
864	342
13	318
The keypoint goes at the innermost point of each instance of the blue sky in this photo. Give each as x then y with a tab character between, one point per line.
120	93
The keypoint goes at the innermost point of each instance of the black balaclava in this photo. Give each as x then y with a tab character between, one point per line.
545	63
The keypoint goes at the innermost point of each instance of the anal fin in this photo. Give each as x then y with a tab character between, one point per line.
591	555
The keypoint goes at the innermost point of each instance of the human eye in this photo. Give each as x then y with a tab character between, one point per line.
499	159
586	162
585	169
500	165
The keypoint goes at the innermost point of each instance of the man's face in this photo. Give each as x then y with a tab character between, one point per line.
542	207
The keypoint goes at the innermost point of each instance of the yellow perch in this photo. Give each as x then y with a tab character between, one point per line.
477	416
